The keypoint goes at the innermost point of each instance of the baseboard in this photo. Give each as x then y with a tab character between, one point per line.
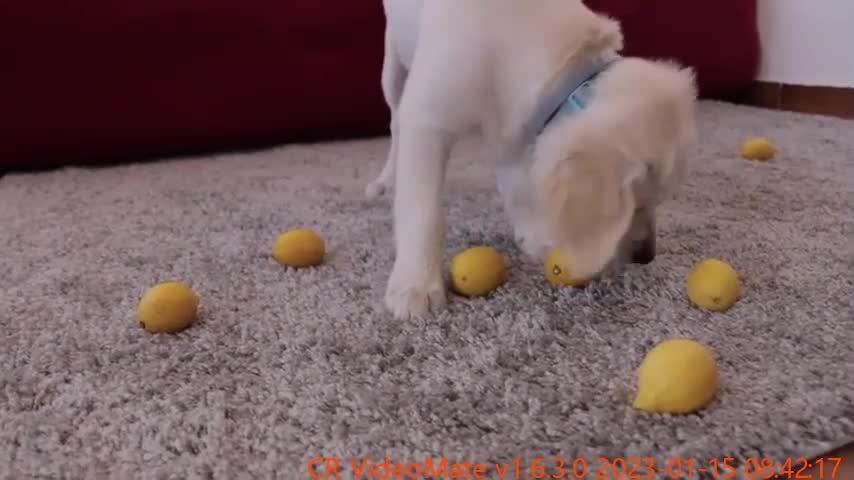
831	101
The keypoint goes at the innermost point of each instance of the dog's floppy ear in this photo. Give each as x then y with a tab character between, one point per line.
589	203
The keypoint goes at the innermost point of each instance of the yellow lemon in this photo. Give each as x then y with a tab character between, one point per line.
557	272
677	376
713	285
758	149
167	307
477	271
299	248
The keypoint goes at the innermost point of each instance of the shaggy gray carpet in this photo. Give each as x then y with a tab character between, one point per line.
284	366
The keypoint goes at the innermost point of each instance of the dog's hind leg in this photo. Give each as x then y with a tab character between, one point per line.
394	75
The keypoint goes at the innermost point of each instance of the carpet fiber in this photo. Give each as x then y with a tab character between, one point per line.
284	366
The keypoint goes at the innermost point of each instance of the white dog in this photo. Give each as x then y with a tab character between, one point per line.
587	143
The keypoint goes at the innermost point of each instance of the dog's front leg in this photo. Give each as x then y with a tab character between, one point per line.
416	284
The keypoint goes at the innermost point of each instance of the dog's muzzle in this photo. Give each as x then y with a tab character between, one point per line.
644	253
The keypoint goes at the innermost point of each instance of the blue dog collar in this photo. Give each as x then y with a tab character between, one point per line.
572	95
577	100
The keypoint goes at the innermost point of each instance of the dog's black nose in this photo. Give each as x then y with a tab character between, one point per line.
645	254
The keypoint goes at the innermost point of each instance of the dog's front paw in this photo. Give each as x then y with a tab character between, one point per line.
414	295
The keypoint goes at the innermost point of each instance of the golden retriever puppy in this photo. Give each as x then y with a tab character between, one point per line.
586	143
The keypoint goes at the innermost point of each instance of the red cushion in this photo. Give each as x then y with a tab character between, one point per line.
102	80
718	39
99	80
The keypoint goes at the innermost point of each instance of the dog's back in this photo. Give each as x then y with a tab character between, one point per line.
493	60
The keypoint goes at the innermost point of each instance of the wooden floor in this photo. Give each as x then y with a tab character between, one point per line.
830	469
832	101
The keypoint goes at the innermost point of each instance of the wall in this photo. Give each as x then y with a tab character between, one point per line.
807	42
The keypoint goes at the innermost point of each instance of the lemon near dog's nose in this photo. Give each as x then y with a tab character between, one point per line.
299	248
167	307
676	376
558	272
477	271
759	148
713	285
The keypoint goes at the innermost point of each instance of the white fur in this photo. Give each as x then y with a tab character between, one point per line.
588	184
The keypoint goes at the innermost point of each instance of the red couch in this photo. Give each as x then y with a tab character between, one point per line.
105	81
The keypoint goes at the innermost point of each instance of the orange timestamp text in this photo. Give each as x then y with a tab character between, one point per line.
628	468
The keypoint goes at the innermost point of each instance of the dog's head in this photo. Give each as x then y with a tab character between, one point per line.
599	175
